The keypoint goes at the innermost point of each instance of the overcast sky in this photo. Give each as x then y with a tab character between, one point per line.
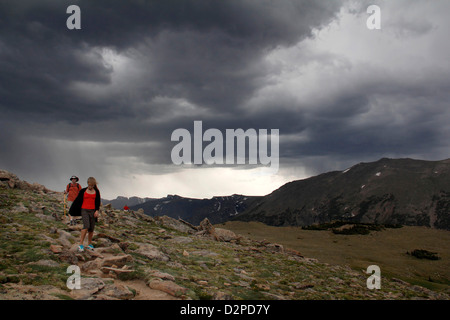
103	101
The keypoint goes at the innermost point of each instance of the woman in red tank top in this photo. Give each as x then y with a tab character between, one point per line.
89	212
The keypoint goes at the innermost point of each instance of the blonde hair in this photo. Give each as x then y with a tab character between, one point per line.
92	181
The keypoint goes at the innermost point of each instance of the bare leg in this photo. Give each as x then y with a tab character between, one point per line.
90	234
83	235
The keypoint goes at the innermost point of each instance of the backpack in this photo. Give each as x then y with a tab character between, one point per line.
70	186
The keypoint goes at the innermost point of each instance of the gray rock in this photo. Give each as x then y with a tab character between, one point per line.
118	261
118	291
174	224
88	287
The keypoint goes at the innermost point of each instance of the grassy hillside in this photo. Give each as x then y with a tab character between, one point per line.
386	248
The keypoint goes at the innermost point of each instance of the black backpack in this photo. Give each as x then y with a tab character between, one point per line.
70	186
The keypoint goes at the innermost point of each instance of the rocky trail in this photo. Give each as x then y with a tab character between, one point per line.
137	257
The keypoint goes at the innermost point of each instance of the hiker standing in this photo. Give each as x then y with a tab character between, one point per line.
87	204
72	190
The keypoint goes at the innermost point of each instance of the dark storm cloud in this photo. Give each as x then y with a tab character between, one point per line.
204	52
137	70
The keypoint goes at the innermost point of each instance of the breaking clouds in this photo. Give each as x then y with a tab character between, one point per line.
103	101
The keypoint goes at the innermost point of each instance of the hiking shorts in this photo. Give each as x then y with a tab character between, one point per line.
88	219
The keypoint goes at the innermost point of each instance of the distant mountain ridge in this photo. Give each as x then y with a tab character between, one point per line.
388	191
217	209
120	202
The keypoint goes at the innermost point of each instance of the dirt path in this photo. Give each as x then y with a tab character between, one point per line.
91	262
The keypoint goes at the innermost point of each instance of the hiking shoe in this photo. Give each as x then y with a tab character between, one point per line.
80	248
91	247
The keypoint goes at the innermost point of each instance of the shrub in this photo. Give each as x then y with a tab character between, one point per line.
424	254
356	229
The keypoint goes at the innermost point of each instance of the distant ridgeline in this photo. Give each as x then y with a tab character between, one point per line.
388	191
216	209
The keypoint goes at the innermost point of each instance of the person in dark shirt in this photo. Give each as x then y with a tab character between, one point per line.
72	190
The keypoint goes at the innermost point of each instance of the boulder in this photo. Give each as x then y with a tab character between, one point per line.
226	235
206	228
274	247
8	179
218	234
11	181
142	216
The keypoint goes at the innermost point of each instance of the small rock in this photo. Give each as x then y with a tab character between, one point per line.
56	248
222	296
167	286
180	239
263	286
118	291
112	239
118	261
205	253
46	263
108	270
162	275
68	256
302	286
89	286
150	251
90	265
43	216
174	224
19	208
272	296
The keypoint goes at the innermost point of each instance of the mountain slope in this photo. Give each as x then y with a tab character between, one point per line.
388	191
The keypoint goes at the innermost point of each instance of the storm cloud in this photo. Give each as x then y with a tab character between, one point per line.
104	100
